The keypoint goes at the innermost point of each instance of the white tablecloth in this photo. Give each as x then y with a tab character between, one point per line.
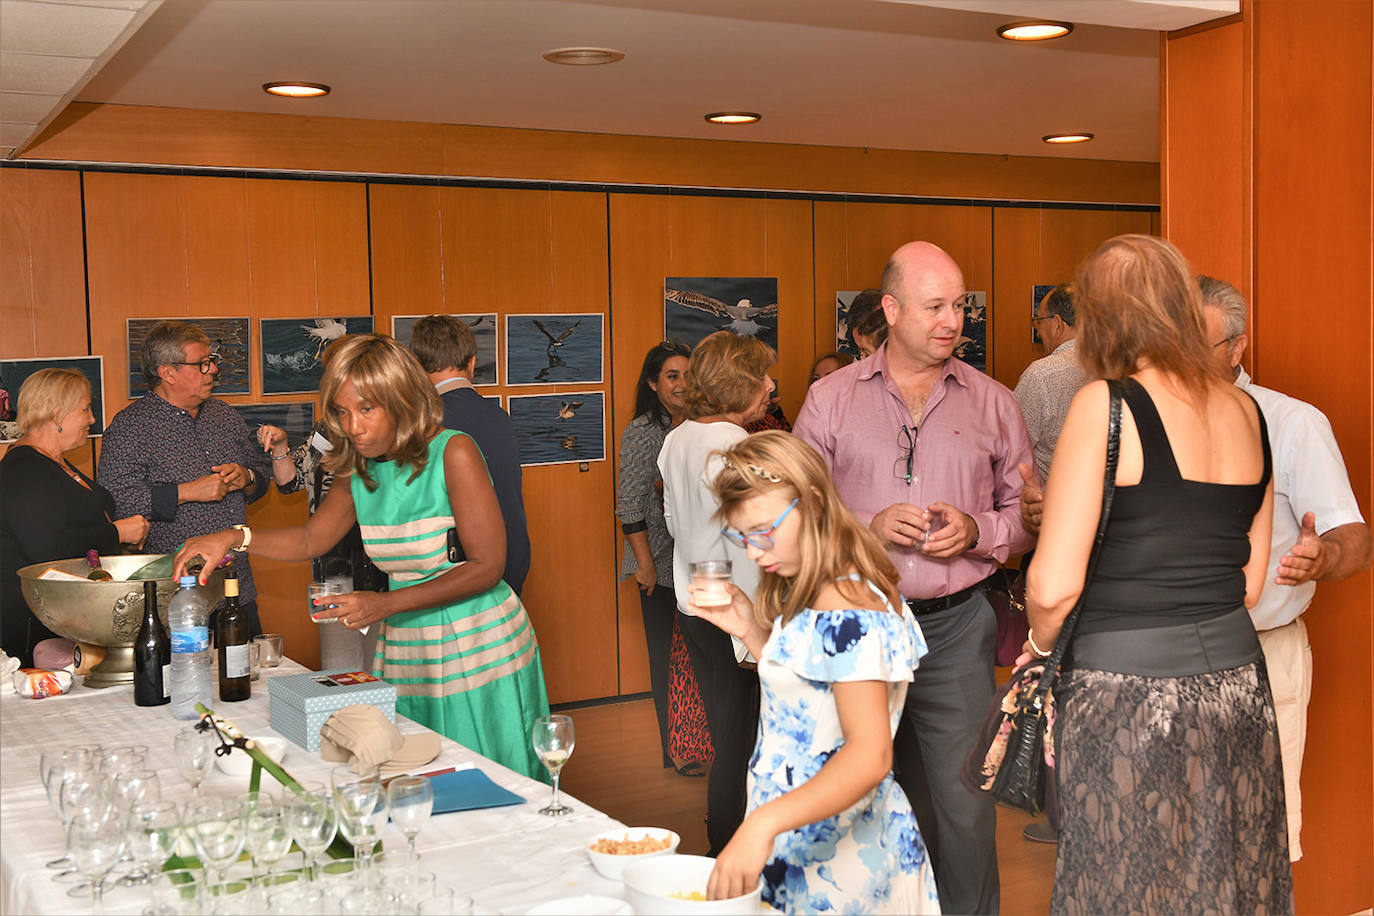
507	859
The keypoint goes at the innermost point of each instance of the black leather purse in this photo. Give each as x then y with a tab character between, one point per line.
1014	753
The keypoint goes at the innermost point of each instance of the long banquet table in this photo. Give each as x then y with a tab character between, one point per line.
507	859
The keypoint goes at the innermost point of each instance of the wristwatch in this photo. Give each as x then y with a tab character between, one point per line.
247	538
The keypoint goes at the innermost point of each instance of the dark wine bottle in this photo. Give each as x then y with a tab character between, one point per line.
97	572
152	655
231	640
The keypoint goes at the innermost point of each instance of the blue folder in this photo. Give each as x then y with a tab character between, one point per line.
468	790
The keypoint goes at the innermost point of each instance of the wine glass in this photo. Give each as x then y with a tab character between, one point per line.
269	836
151	838
411	799
311	819
216	827
554	740
82	793
52	767
133	787
195	753
358	799
95	839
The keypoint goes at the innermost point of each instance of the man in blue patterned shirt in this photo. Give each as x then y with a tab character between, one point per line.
181	458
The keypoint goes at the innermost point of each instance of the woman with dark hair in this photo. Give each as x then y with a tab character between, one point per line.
649	548
867	322
1169	779
455	640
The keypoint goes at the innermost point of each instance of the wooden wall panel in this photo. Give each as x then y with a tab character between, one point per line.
342	277
281	244
217	271
407	260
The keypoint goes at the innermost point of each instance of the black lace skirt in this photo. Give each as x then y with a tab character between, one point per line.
1170	795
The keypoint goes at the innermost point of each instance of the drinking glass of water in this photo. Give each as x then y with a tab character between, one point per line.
411	799
553	742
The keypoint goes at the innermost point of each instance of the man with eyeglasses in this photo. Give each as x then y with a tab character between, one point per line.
1319	534
182	458
925	448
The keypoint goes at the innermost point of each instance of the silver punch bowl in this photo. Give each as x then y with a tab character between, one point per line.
105	613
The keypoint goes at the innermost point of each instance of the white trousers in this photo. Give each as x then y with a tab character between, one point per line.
1288	657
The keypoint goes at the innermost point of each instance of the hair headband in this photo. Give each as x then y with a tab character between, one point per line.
756	470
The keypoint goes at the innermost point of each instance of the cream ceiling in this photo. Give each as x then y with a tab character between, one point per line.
901	74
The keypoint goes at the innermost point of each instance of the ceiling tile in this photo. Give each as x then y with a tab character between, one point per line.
59	28
26	106
41	72
13	133
110	4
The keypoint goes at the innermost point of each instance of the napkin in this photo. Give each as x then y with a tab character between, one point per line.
468	790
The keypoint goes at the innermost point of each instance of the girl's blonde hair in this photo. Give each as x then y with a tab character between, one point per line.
833	541
388	376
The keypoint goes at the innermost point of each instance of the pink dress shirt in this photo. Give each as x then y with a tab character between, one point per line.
969	443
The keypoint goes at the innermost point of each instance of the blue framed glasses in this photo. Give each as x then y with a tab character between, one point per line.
763	538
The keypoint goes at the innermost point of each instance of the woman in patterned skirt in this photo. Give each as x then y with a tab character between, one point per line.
455	640
1169	780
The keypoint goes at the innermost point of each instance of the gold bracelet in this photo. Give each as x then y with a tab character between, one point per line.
1030	638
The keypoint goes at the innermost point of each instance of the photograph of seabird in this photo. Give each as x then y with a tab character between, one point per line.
295	418
972	347
554	349
291	349
559	428
228	338
14	371
694	307
843	299
483	328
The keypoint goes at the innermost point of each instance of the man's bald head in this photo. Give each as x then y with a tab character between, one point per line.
918	260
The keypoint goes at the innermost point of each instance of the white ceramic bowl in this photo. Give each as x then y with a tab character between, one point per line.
650	883
586	905
238	763
610	865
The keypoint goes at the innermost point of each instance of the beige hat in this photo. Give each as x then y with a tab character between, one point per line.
363	737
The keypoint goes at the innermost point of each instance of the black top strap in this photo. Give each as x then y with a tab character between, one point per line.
1157	455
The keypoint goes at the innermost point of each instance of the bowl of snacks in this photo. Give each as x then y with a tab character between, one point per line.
676	885
613	850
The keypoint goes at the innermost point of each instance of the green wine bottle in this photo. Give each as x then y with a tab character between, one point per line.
162	567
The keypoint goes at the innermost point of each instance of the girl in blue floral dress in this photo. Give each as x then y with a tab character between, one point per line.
827	828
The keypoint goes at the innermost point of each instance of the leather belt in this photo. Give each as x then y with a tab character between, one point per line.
922	606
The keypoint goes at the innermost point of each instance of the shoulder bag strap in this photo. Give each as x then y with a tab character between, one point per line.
1051	671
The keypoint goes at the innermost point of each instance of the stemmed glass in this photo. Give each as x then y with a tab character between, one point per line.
411	799
53	767
311	819
358	800
216	827
195	753
150	839
554	740
81	793
269	836
94	841
134	787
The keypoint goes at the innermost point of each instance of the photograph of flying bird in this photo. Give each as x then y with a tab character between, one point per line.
292	347
557	429
228	338
554	349
568	409
694	307
325	331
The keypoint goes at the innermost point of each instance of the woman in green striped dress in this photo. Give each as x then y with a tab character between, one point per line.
455	640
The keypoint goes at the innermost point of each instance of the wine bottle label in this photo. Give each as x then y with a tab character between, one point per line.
167	680
236	661
191	639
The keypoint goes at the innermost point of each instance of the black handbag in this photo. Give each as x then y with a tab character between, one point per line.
1014	753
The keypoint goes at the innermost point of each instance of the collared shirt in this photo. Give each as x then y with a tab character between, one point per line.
1044	392
969	442
151	446
1309	476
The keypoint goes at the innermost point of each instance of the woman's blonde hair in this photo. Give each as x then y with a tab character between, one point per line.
49	394
725	373
833	541
387	375
1137	300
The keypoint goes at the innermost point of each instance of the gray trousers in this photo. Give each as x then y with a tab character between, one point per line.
945	704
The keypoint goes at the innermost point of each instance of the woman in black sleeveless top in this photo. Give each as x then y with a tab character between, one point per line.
1169	781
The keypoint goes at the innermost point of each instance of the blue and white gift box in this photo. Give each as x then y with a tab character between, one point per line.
298	704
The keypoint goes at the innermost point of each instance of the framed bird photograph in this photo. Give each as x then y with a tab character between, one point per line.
972	347
291	349
13	372
559	428
483	328
228	338
554	349
843	299
296	419
694	307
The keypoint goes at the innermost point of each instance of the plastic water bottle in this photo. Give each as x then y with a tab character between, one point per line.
188	617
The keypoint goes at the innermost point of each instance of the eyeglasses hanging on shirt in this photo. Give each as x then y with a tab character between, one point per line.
906	441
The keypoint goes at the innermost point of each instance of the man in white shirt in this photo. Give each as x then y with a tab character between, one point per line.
1048	385
1319	534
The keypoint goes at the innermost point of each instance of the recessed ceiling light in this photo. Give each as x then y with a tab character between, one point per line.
294	89
1034	30
583	57
734	117
1076	137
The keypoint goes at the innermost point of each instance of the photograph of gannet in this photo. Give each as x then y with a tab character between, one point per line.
972	347
483	328
843	299
228	338
559	428
291	349
554	349
694	307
